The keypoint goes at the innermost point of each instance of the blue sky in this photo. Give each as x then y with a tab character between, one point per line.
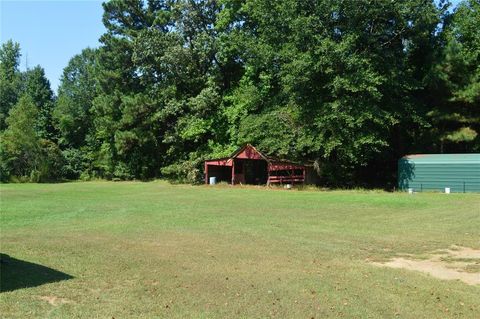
51	32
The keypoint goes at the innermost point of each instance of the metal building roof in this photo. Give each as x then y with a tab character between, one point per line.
443	158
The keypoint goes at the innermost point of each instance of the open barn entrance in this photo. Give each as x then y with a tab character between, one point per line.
253	172
248	166
221	173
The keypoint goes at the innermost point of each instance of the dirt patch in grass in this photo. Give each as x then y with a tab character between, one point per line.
463	252
55	301
456	263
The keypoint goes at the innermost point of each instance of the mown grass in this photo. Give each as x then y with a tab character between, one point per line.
147	250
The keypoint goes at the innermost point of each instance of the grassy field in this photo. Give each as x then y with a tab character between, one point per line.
147	250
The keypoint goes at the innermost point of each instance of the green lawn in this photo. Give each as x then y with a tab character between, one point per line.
146	250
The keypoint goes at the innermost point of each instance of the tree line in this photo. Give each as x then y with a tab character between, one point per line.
349	86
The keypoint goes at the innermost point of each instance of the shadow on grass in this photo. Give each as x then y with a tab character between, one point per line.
18	274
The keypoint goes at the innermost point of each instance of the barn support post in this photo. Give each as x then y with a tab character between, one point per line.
206	173
233	172
268	174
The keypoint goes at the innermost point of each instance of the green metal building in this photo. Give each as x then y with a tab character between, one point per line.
435	172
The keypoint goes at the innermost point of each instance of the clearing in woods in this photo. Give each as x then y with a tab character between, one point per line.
146	250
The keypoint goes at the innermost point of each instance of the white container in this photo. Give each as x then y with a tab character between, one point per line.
410	190
288	186
447	190
213	180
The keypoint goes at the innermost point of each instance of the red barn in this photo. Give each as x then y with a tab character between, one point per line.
249	166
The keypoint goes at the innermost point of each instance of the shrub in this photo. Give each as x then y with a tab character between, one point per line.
184	172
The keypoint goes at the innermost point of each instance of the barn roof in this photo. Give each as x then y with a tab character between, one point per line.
248	151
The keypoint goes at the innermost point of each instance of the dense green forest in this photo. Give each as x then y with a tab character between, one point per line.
347	85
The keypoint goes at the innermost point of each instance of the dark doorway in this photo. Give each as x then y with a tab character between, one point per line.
255	172
222	173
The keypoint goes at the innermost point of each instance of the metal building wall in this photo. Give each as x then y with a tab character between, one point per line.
434	172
